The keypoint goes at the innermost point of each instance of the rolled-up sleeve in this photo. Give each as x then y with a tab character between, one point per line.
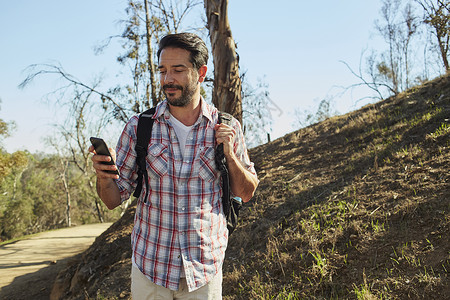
240	148
126	160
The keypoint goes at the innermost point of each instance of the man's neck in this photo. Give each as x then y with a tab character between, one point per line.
188	114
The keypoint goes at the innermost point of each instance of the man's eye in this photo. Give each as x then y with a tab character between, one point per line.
178	71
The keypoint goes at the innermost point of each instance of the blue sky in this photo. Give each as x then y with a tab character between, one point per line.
296	46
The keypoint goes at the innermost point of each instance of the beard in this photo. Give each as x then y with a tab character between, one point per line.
187	92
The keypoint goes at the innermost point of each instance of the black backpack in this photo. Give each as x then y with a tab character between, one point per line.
231	205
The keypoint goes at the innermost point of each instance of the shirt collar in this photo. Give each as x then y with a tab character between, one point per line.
163	109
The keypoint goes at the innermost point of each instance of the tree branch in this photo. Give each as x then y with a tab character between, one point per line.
58	70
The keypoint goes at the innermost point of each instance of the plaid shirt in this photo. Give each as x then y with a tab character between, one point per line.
182	223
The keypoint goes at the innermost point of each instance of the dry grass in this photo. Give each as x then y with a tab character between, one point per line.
355	207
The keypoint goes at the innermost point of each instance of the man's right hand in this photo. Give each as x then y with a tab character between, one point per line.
100	167
107	188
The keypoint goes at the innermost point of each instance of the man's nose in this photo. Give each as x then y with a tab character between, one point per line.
168	77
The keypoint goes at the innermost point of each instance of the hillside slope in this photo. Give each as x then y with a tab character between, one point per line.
355	207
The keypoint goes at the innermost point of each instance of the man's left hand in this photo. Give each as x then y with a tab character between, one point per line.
225	135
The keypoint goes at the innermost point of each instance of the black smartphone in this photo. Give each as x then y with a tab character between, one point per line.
102	149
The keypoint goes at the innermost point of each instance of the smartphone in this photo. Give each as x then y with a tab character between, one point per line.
102	149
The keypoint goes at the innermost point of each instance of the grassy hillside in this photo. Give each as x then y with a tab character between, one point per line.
355	207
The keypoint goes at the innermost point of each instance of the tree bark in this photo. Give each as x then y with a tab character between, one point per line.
227	92
97	202
65	165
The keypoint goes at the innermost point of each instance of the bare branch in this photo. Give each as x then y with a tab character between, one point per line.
372	85
58	70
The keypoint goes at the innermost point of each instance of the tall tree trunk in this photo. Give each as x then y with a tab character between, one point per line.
151	65
443	47
97	203
227	94
65	165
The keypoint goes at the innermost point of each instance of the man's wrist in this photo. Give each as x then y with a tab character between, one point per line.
104	184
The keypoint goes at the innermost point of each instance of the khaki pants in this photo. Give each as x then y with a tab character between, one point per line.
143	288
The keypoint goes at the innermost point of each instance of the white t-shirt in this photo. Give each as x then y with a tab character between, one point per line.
181	131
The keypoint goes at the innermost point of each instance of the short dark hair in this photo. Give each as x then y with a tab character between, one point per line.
187	41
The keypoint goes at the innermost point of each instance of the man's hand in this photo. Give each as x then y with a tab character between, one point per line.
243	183
100	168
225	135
107	188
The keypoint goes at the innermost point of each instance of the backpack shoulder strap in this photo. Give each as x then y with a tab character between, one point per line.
231	206
219	155
222	166
144	133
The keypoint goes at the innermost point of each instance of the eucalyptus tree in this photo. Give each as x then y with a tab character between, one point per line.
227	92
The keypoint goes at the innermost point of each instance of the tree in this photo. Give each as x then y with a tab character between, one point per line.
324	111
257	110
64	179
86	122
437	17
108	100
83	121
398	30
9	162
227	92
410	26
5	128
162	17
146	22
32	198
392	71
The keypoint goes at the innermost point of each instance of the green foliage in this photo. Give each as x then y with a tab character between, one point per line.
385	71
11	162
324	111
32	197
3	128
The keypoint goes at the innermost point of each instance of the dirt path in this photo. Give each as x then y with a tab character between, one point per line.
28	267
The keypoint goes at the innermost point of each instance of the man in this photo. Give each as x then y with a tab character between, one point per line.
180	234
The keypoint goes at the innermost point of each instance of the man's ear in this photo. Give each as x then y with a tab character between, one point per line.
202	73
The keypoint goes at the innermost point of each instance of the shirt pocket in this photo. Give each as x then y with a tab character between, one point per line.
157	159
207	166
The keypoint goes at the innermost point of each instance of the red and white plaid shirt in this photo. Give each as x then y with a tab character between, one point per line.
182	222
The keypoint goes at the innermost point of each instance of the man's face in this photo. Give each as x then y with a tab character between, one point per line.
179	80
